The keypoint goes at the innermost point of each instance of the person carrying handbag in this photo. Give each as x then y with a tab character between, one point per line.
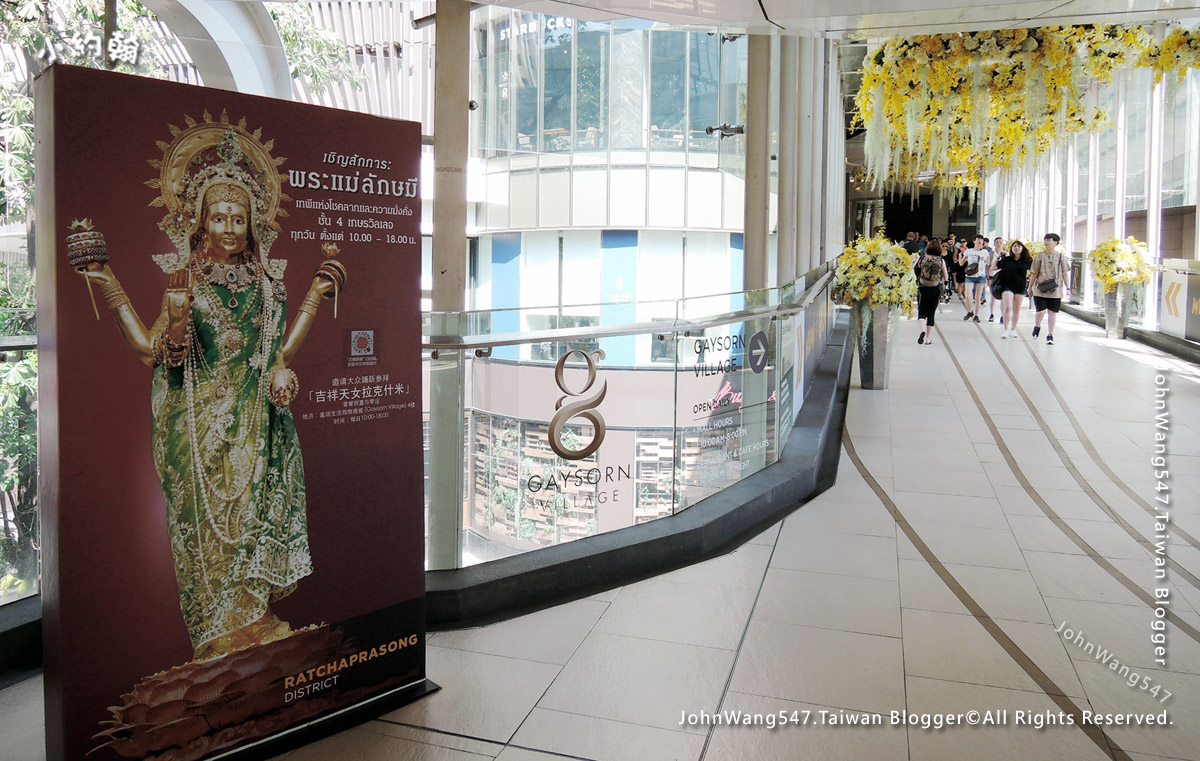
1048	276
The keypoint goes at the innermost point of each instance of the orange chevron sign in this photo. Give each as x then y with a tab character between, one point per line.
1172	298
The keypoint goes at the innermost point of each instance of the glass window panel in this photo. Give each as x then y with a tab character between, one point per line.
556	84
732	104
526	65
1137	129
483	91
1081	194
628	71
591	87
502	80
704	82
1106	197
668	61
1177	152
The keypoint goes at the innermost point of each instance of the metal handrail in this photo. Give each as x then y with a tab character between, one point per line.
687	327
18	343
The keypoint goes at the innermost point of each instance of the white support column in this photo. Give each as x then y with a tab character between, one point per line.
1122	173
1154	159
804	173
788	68
758	161
1093	180
1070	244
835	149
816	149
451	85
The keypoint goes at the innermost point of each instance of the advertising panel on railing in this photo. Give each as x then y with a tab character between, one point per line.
565	447
231	431
726	397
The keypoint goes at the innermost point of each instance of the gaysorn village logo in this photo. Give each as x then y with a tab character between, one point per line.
583	408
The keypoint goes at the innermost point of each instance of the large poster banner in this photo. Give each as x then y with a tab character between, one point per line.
230	421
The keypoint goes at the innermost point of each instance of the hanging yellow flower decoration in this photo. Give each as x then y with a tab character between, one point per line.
949	109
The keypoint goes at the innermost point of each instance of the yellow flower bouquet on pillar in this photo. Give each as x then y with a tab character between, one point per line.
1118	265
874	276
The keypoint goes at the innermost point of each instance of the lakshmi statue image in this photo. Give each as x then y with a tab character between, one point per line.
224	441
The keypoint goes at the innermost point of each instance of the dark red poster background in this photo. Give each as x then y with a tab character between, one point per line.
112	604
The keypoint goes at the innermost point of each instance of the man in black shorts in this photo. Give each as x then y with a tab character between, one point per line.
1048	277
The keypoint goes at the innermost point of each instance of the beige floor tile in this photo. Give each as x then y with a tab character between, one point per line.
1040	534
991	742
948	510
957	648
511	753
1073	505
923	461
482	696
935	480
824	666
22	721
824	600
743	568
358	743
1023	422
1110	540
1076	577
427	737
1050	477
1014	500
819	738
639	681
1000	475
692	614
607	595
1109	692
968	545
588	737
846	554
922	589
1124	631
548	636
870	518
1002	592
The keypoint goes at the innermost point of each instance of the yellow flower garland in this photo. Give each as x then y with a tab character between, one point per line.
1120	261
951	108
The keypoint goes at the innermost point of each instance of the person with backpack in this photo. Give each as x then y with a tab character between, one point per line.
975	262
931	274
1048	274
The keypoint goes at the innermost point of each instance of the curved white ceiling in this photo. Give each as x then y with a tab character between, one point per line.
840	18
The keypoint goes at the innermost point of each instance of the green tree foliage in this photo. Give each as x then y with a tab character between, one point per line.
315	54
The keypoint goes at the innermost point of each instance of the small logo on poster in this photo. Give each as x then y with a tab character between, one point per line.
362	343
362	349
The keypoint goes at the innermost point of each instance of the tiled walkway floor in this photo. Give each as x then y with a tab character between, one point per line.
972	517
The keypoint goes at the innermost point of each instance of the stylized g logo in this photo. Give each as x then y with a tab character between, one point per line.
584	408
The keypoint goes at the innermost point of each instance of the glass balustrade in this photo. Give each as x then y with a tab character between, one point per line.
575	427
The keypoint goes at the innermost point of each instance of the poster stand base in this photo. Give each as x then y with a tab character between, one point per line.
334	723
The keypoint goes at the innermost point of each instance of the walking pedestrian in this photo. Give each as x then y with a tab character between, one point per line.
997	252
975	262
931	274
1048	274
1013	277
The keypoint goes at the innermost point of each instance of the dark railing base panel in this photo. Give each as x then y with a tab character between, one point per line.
719	524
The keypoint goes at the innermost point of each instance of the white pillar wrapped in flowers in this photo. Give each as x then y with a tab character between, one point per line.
874	277
1119	265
